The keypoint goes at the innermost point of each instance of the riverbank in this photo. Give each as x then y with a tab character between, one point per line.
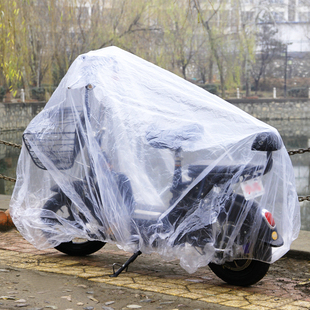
18	115
275	109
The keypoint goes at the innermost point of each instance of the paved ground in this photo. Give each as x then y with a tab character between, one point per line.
34	290
286	286
151	283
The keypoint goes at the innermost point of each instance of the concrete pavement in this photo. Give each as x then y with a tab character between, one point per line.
149	273
4	202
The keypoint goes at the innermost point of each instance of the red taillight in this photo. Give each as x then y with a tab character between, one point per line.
269	218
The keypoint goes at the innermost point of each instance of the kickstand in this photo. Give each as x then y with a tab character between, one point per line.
125	266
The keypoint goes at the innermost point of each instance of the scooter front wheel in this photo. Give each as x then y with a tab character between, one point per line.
243	272
59	204
78	247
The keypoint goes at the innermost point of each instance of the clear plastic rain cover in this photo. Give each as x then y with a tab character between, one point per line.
129	153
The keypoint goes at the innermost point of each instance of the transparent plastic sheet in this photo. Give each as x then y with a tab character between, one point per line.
129	153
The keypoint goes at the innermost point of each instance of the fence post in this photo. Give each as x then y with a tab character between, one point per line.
309	92
274	93
238	93
22	95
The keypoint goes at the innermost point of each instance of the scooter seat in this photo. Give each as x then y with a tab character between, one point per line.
175	138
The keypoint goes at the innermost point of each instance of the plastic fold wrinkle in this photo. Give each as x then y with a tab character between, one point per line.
129	153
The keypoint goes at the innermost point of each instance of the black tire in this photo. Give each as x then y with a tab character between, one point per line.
243	272
72	248
80	248
54	204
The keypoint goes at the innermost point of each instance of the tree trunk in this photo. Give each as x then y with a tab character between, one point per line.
210	73
8	96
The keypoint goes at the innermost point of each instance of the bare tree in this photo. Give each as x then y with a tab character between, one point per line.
37	53
214	44
220	21
268	49
11	47
180	31
186	39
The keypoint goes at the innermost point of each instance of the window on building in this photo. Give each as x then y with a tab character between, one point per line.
278	16
291	12
277	1
304	16
247	16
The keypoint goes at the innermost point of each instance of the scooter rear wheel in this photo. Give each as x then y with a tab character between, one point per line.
83	248
243	272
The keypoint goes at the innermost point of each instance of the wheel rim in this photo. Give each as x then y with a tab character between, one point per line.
237	265
78	241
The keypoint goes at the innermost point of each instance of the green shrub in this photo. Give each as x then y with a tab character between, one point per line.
212	88
38	93
2	93
301	92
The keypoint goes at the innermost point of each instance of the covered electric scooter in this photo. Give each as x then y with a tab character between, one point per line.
129	153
